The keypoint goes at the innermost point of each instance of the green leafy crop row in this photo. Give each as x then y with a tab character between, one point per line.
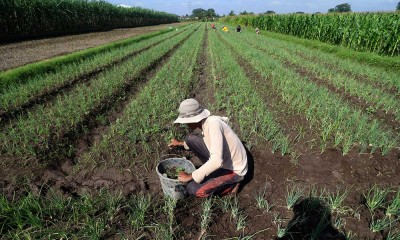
151	112
340	124
377	97
18	94
234	93
46	125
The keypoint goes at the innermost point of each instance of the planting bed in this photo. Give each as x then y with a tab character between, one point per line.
81	161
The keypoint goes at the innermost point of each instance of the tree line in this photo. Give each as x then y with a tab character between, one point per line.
210	14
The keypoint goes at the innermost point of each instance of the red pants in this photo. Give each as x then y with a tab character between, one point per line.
220	182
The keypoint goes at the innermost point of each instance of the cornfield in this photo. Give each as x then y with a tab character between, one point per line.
38	17
375	32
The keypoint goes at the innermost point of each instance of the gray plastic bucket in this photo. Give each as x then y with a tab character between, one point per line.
173	188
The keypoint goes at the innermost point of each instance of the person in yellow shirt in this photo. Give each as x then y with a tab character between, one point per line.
225	29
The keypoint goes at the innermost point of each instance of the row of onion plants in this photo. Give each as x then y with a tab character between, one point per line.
234	92
150	114
379	77
17	94
20	74
46	125
377	199
339	122
369	93
53	216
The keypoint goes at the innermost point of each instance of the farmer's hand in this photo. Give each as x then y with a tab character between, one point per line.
175	143
185	177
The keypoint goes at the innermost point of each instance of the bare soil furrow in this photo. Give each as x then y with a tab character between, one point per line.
89	128
50	94
198	91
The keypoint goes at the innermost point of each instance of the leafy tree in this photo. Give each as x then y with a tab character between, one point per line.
202	14
245	13
345	7
199	13
211	13
299	12
269	12
398	7
231	13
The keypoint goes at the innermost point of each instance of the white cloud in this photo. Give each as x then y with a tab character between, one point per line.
124	5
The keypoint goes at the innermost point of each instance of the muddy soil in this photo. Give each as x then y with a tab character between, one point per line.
20	53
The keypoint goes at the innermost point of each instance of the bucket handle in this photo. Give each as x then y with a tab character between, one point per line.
165	156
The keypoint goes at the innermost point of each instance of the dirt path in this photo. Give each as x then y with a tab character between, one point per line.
18	54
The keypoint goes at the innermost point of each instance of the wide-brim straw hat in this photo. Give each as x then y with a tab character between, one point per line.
190	111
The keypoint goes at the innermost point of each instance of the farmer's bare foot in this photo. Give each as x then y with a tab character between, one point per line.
235	189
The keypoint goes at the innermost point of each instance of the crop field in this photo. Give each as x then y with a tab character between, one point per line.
80	143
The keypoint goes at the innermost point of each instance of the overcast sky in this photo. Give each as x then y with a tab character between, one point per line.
182	7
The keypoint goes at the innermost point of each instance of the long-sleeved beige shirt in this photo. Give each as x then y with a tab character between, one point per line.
226	149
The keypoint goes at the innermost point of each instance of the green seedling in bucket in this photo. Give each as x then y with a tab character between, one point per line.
173	172
168	171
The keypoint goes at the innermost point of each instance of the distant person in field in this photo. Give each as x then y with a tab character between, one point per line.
225	29
213	26
223	155
257	31
238	29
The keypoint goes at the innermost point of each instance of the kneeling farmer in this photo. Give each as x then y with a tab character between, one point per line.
221	151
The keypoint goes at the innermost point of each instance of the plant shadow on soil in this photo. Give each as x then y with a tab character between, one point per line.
312	220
